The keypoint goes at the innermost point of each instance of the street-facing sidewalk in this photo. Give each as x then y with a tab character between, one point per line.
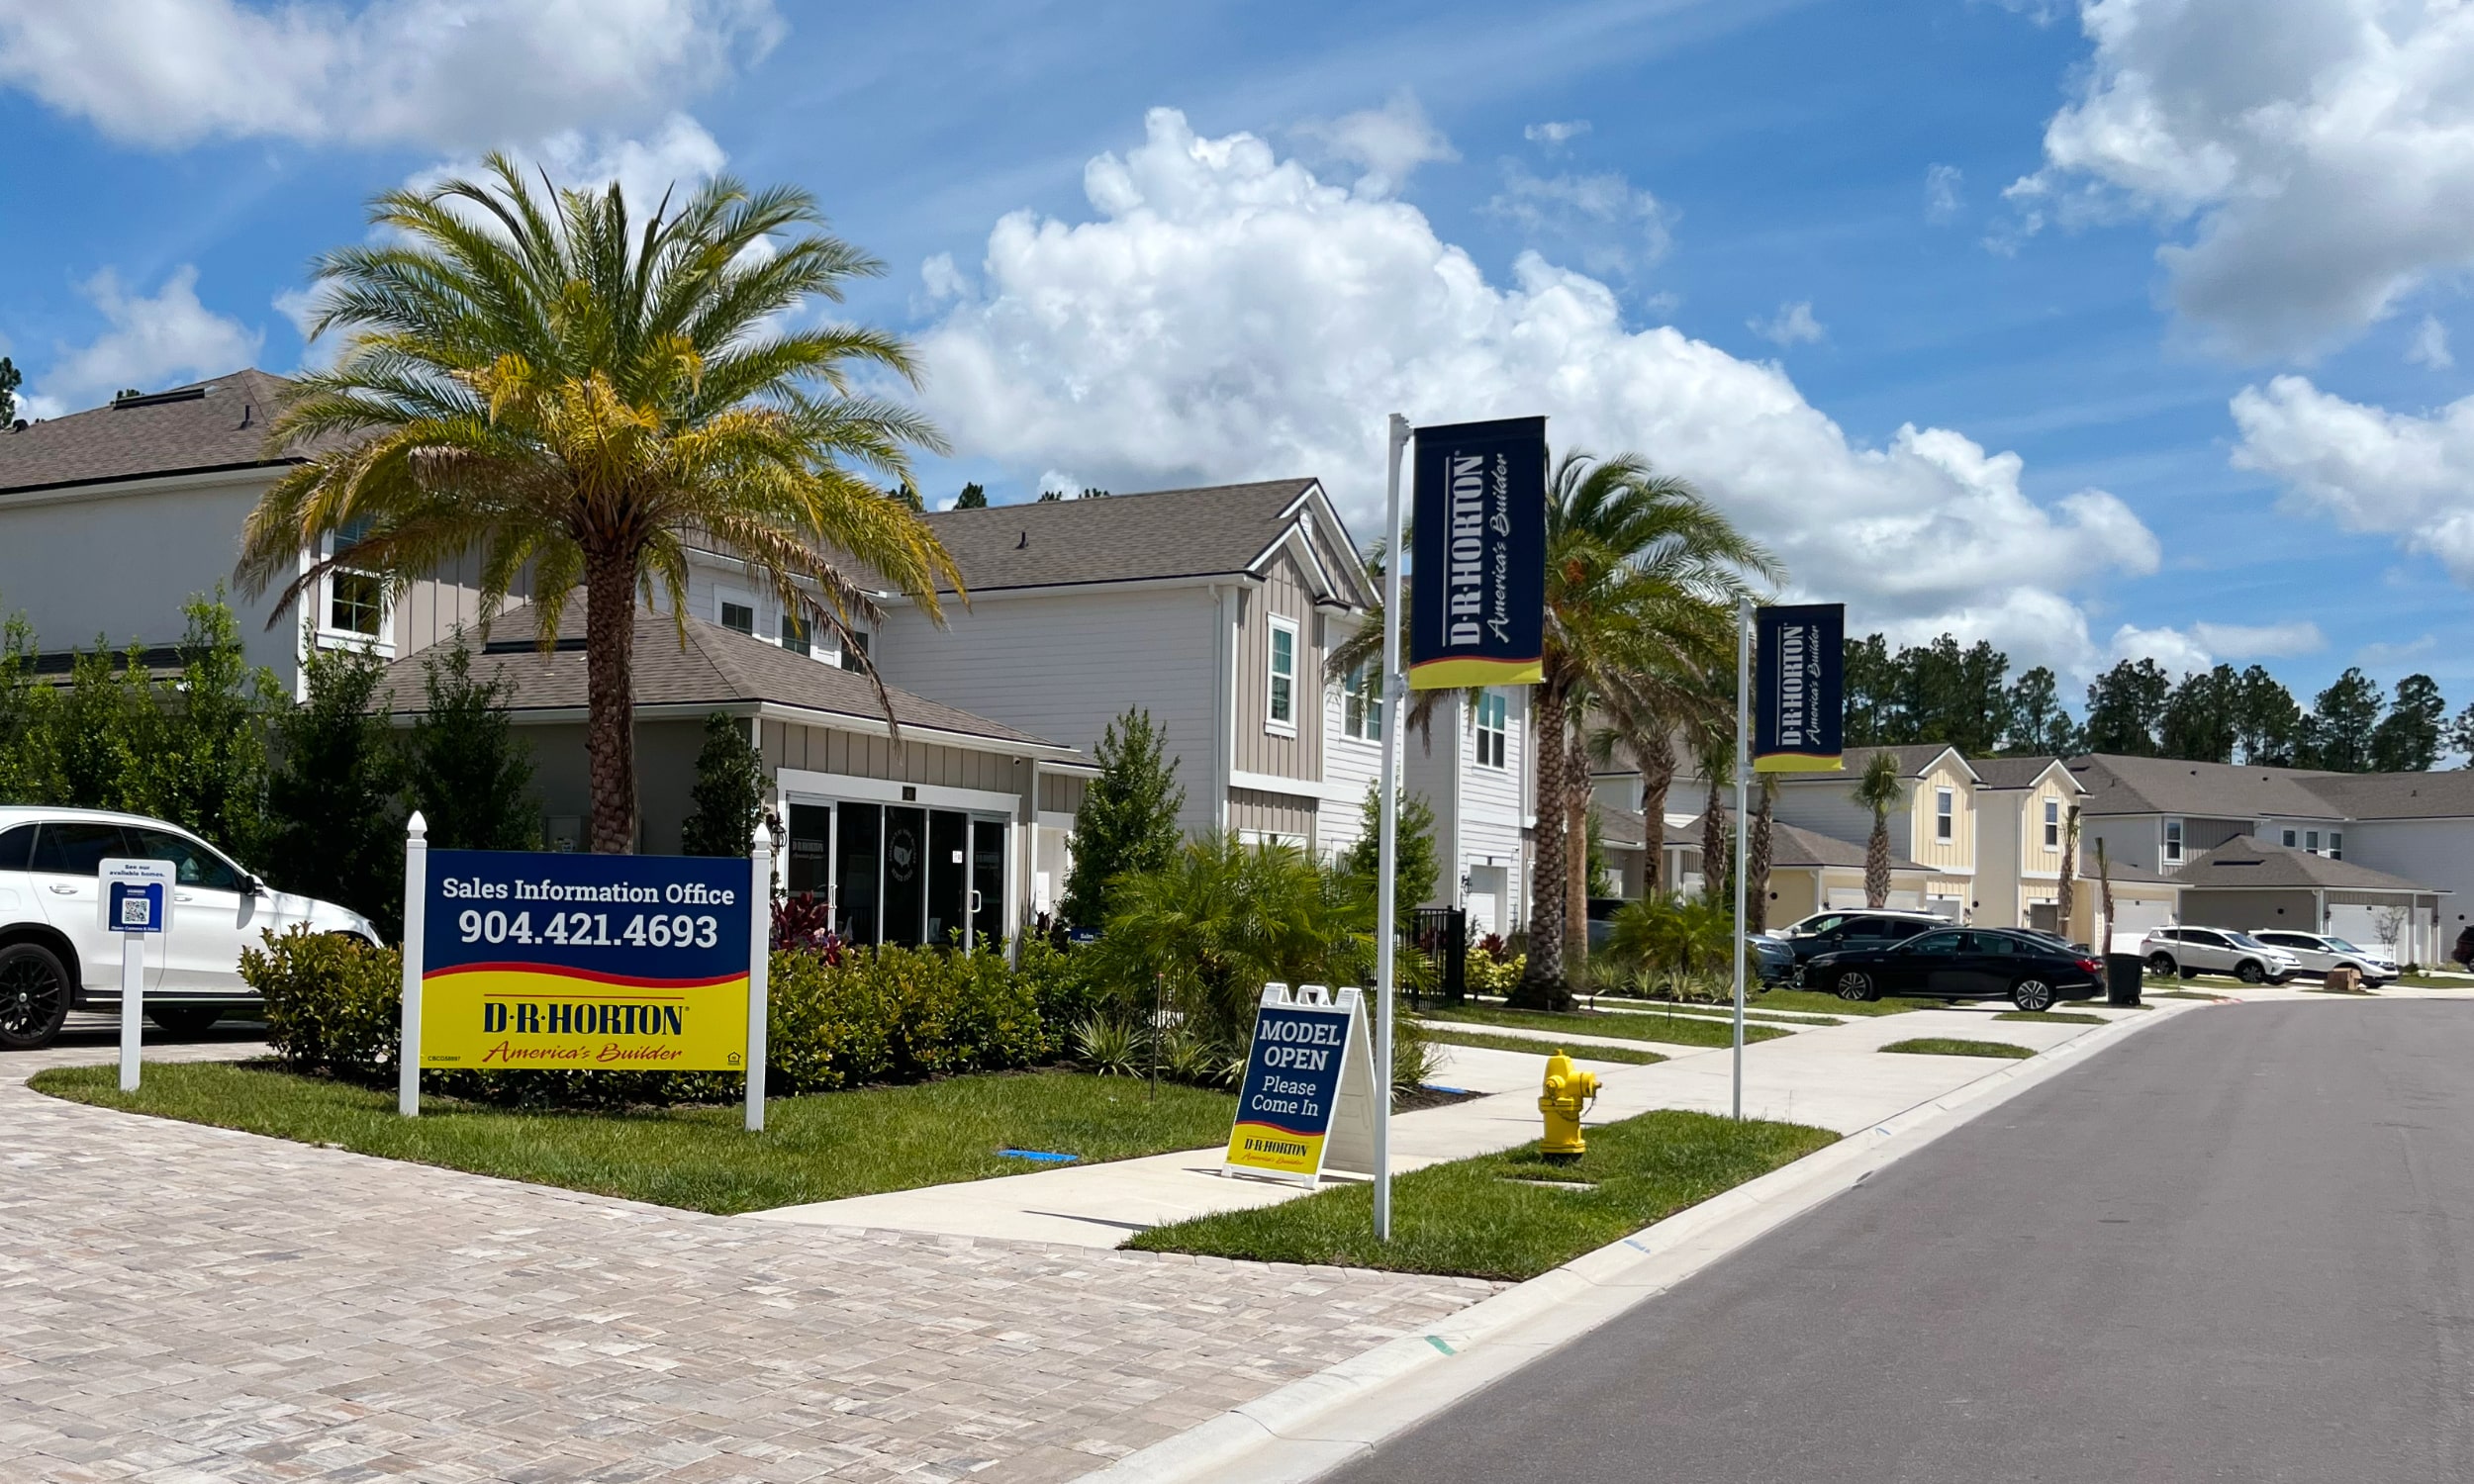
181	1303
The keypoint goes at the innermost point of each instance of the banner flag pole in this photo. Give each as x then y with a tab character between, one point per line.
1743	766
416	892
1394	692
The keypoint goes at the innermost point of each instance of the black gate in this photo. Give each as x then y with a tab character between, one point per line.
1442	935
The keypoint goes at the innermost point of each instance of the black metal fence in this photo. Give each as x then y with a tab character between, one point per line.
1442	935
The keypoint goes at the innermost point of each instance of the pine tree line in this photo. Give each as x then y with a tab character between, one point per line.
1942	692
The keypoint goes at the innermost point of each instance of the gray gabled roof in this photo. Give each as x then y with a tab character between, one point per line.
714	666
2118	785
1795	846
2397	795
1913	758
1216	530
213	425
2247	862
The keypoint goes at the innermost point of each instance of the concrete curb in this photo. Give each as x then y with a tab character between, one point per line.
1311	1427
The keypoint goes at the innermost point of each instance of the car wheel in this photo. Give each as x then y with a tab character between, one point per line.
2032	995
33	996
1855	984
2161	964
184	1020
2190	973
2249	972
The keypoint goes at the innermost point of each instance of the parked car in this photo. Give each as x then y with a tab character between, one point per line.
1770	959
1959	964
2194	951
55	957
2319	953
1854	927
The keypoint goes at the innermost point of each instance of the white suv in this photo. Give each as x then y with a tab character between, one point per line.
2193	951
55	957
2318	953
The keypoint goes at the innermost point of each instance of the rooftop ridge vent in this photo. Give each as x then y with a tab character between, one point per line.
158	399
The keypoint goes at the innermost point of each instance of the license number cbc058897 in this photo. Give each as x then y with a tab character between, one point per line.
591	929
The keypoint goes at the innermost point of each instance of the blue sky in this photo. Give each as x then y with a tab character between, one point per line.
2211	324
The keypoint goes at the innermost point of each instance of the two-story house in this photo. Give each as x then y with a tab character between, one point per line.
1933	825
111	519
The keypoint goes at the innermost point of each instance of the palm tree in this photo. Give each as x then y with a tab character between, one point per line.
1879	788
1757	863
1642	579
574	397
2066	898
1713	750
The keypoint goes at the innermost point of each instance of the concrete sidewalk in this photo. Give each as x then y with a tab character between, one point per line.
1831	1076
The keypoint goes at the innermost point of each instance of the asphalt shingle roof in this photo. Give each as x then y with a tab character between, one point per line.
1794	845
2397	795
2119	785
2010	773
2244	861
714	666
222	426
1912	757
1204	531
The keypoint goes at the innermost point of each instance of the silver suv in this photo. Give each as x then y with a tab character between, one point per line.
55	957
2191	951
2318	953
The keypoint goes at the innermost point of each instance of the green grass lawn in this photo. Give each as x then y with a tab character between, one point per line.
813	1149
1474	1217
1815	1003
1537	1046
1679	1030
1952	1046
2051	1017
1707	1011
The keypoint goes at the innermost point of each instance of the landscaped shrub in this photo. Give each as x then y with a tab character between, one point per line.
1493	971
333	1005
877	1015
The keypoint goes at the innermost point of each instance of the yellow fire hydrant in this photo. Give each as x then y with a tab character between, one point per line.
1568	1091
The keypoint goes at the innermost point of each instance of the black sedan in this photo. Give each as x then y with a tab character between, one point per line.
2029	970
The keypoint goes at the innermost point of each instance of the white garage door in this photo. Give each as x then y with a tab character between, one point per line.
2131	921
2358	924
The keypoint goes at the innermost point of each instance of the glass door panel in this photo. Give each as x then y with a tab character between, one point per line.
859	868
906	873
988	881
812	836
949	875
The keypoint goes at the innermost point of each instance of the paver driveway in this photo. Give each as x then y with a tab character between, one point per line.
181	1303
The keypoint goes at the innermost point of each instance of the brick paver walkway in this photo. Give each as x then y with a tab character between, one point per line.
185	1304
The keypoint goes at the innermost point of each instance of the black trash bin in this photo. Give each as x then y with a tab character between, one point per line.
2122	975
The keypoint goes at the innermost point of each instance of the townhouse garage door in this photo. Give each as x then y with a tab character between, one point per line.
2140	917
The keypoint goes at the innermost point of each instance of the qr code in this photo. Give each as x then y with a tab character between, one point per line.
137	910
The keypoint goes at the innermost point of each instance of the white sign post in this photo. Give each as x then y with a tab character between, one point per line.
416	926
136	900
759	973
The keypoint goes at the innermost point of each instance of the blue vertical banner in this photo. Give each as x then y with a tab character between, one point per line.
1478	609
1799	703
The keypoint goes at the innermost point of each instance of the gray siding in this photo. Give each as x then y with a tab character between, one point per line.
1258	748
1272	813
817	749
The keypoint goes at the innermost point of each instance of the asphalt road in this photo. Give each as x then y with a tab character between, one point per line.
2237	1246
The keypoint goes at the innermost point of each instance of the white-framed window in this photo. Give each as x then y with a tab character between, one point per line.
2310	841
1944	813
1361	704
1280	712
735	612
856	650
2053	824
1494	725
2173	840
357	601
794	633
2289	840
2336	845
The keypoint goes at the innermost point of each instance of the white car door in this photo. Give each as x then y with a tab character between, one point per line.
67	855
213	917
2312	957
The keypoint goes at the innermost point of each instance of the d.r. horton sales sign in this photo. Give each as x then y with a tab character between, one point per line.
585	962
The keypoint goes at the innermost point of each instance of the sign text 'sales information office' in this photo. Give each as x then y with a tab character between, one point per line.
583	962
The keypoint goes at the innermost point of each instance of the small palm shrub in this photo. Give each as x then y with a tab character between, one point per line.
1111	1047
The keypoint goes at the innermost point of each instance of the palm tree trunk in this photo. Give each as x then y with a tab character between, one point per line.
610	706
1542	986
1877	863
1714	844
1757	868
1656	776
2066	896
1576	863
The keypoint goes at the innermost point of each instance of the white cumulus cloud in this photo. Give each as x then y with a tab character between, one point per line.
2176	652
1383	144
2204	644
1225	315
1603	219
2430	345
2313	159
151	343
445	73
1793	325
2406	475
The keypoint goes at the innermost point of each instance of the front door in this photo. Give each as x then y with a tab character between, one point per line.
905	874
988	881
808	869
949	880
